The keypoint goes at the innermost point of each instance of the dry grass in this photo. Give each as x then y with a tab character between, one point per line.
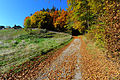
95	66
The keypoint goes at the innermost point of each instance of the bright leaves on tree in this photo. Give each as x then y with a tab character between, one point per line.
80	16
61	20
101	17
53	20
39	19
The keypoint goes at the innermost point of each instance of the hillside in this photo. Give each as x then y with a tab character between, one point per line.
16	49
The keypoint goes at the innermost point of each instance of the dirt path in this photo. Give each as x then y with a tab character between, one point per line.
66	66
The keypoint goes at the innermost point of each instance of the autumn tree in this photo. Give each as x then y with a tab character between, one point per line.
27	22
39	19
55	15
61	21
55	20
80	16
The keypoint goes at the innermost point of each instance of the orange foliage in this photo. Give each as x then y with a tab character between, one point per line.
26	18
48	20
61	20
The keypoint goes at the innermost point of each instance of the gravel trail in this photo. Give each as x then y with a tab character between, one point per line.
66	66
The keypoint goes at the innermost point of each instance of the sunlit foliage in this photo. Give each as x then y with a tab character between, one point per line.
80	16
52	20
27	22
39	19
61	21
101	18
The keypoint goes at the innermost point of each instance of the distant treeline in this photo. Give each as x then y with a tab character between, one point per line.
8	27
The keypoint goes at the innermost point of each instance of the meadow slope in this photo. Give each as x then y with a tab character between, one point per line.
17	46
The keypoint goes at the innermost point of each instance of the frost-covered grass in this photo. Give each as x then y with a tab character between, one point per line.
23	48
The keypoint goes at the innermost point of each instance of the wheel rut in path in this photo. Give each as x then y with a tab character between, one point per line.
66	66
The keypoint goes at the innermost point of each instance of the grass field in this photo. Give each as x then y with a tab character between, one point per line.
17	47
11	34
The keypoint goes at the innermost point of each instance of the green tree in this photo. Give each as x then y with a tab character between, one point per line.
43	9
53	9
47	9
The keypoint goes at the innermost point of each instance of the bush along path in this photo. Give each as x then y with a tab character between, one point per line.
66	66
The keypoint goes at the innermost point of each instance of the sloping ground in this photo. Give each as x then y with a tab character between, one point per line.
9	34
95	65
26	47
20	59
63	65
66	66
